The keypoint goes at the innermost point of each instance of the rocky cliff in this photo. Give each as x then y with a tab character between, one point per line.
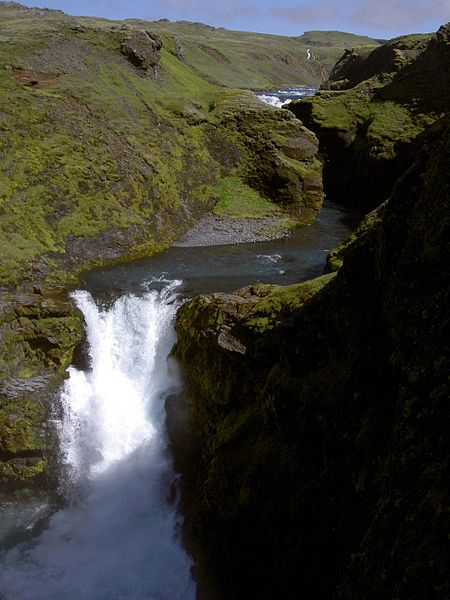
112	144
370	120
319	414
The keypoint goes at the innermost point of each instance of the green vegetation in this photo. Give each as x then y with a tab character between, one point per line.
21	440
255	60
114	140
328	46
386	123
236	199
376	107
341	39
125	148
283	302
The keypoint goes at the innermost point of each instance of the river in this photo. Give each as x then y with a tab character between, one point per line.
116	536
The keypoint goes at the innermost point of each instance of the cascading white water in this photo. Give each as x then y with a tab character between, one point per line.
273	100
117	538
285	96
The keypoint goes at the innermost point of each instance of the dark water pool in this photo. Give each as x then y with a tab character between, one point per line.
228	268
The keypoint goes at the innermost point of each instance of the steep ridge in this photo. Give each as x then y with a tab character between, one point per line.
319	414
370	119
111	147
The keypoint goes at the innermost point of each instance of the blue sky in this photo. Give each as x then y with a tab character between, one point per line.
378	18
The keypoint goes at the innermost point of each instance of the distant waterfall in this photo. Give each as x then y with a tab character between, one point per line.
117	538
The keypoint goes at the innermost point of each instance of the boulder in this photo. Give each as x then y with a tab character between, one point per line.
142	49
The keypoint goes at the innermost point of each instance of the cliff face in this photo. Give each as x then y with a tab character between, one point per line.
370	129
112	144
320	414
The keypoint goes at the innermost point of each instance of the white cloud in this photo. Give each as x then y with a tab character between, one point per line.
407	14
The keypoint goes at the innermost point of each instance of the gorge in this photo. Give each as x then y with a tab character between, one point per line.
163	435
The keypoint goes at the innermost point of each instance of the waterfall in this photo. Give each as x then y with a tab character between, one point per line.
117	538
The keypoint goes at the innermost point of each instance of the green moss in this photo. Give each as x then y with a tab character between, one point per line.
236	199
283	301
19	471
19	423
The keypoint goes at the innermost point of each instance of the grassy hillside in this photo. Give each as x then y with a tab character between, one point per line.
243	59
340	39
100	155
328	46
257	60
111	146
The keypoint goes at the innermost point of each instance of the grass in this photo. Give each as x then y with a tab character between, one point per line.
387	123
105	148
80	157
236	199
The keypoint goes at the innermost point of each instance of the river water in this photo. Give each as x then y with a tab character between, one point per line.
284	96
117	535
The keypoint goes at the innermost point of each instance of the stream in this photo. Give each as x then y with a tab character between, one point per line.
117	535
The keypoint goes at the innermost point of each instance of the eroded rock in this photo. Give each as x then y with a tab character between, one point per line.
143	50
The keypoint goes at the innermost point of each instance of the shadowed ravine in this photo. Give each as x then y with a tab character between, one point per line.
117	537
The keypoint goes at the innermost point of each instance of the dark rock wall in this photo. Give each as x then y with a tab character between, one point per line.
322	427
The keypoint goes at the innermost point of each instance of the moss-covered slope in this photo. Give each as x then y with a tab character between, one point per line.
108	137
320	414
111	146
370	128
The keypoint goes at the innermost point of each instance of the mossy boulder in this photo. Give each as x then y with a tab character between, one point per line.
359	64
22	442
271	151
370	130
39	336
319	415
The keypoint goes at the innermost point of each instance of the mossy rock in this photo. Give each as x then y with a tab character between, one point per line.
320	414
370	130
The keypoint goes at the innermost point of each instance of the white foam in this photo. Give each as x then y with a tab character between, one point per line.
118	537
272	100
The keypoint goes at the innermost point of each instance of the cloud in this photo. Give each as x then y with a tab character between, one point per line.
388	15
213	11
307	12
391	14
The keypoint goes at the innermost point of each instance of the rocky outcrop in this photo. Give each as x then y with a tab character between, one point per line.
358	64
143	50
370	130
319	415
271	151
39	335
